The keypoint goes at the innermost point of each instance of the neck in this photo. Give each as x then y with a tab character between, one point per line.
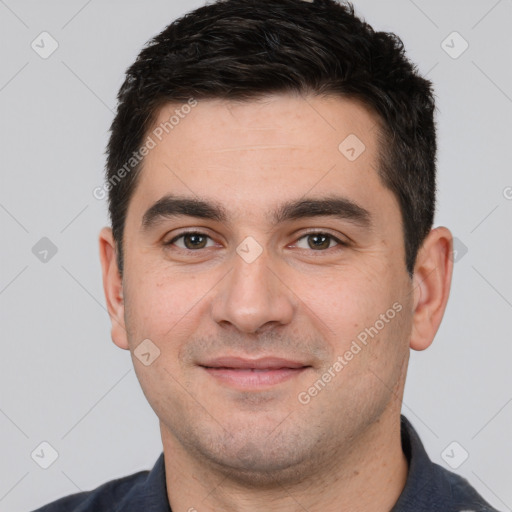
370	474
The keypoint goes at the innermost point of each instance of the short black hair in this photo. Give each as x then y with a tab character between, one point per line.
245	49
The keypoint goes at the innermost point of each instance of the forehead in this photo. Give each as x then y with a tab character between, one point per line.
250	154
269	122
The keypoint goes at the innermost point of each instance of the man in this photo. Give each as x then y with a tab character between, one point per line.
271	262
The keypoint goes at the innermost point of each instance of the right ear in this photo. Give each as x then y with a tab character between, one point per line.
113	287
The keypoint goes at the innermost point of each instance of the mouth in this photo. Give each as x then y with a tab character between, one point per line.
253	373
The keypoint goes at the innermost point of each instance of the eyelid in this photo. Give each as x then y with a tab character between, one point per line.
342	239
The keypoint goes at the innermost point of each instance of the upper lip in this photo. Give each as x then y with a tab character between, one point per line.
261	363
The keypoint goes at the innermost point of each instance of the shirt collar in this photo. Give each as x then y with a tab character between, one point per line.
151	494
422	479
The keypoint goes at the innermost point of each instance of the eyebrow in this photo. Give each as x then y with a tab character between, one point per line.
171	206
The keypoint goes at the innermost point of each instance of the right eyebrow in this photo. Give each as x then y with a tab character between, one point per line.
171	206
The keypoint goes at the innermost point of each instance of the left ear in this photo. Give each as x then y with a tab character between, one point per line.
432	279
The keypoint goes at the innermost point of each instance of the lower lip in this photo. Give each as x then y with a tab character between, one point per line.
246	378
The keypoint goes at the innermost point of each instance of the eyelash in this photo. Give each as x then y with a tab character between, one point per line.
339	242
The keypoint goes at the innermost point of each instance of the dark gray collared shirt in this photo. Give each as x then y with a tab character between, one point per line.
429	488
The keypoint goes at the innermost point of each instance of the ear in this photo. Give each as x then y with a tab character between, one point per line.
431	281
113	287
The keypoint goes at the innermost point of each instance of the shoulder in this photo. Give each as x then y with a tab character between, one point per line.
460	492
429	486
119	491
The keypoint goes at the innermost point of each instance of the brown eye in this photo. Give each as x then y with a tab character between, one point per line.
191	241
319	241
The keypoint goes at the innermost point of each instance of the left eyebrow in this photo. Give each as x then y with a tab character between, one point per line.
333	206
338	207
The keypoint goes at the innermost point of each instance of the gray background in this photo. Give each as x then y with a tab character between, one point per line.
62	379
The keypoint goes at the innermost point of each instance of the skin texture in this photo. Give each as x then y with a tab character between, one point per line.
252	450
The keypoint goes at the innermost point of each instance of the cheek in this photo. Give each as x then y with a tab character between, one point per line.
158	304
353	310
341	303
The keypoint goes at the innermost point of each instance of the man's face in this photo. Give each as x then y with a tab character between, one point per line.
288	294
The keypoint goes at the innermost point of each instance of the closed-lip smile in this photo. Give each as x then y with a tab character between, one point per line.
257	373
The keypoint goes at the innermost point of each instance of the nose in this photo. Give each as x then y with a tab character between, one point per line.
253	297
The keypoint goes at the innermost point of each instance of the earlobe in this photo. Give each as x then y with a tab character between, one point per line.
113	287
431	281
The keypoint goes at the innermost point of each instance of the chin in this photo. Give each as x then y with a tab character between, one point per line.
256	470
259	461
